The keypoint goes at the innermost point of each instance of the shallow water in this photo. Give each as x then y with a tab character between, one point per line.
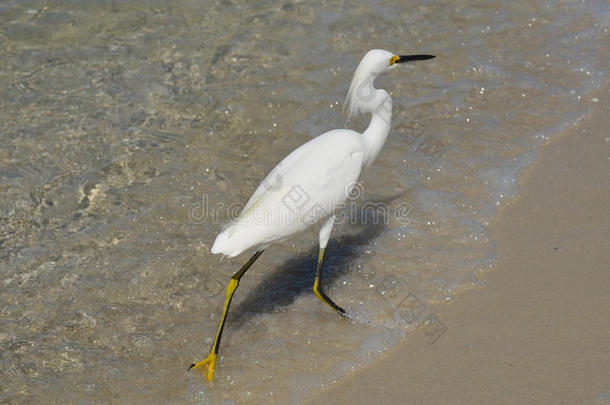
131	133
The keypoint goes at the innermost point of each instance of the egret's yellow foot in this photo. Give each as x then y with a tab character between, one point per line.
210	362
324	298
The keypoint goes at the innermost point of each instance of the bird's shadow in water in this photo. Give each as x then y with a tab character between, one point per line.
296	276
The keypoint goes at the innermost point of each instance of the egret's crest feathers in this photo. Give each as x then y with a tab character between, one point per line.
352	103
361	90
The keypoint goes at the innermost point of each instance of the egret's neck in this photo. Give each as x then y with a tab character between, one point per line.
379	127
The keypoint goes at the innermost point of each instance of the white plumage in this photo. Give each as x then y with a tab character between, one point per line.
307	185
310	184
313	181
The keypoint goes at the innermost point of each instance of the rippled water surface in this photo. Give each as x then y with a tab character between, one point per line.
131	132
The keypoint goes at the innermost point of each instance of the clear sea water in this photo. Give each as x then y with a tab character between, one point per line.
130	132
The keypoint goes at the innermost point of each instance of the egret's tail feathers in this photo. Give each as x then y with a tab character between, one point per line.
222	244
228	243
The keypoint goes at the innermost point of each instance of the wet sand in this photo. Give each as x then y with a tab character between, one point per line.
538	332
133	133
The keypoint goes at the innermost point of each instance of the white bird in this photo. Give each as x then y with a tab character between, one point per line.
311	183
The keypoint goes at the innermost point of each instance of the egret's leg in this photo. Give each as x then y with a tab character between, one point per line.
317	288
210	361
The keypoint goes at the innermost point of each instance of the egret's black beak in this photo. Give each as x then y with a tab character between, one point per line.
411	58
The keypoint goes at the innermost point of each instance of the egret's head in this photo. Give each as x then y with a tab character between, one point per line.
373	64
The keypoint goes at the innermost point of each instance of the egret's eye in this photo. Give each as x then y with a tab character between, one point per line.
393	59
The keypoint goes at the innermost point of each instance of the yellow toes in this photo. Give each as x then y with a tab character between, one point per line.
210	362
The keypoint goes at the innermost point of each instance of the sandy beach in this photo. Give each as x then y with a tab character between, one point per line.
538	332
133	133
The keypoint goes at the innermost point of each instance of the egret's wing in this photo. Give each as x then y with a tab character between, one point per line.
307	185
324	160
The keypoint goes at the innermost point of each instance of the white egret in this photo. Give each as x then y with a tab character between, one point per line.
310	183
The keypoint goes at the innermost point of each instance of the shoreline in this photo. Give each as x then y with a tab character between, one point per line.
537	332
